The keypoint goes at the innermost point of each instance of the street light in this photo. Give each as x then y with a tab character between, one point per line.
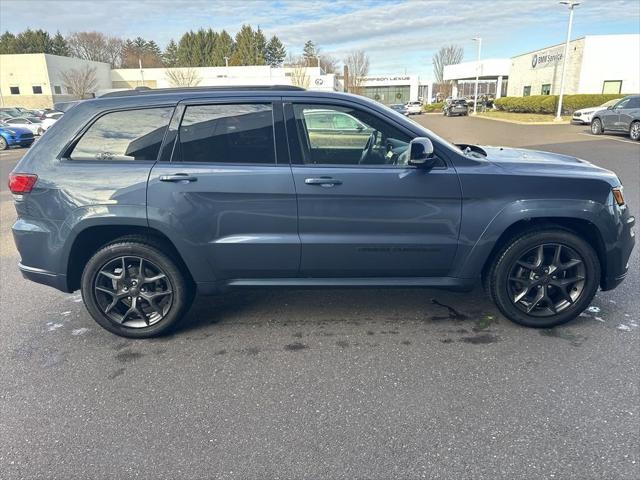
475	100
571	4
226	61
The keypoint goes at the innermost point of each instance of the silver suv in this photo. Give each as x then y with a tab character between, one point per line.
623	116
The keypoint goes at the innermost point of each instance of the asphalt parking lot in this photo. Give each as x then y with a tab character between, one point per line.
375	384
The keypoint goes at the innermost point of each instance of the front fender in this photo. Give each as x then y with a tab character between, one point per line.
474	252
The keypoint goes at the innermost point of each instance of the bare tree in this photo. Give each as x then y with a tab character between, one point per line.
80	82
95	46
357	63
328	63
447	55
182	77
298	70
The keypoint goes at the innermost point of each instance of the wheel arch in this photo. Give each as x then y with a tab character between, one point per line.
94	237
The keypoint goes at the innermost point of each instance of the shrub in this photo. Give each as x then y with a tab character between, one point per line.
548	103
432	107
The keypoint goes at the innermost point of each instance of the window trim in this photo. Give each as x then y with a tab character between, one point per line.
276	112
294	144
63	156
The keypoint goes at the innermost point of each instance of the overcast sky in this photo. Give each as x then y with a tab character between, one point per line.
399	35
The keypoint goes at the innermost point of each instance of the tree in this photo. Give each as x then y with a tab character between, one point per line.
96	46
7	43
328	63
249	48
224	48
447	55
170	55
183	77
298	69
138	51
59	45
275	52
80	81
309	53
357	63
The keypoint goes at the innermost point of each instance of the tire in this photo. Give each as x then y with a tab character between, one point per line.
3	143
146	318
504	291
634	131
596	126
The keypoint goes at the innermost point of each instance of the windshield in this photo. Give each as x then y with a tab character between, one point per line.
34	119
610	103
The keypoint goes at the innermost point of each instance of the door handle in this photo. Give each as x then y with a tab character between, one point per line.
178	177
325	182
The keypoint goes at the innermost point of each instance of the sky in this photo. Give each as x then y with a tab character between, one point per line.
399	36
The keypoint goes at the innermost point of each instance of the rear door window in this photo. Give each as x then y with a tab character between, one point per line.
230	133
124	135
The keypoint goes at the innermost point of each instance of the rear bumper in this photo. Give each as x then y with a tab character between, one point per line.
55	280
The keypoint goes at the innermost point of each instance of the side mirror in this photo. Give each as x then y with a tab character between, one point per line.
610	107
421	152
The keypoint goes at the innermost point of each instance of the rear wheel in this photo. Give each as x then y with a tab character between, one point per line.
634	131
596	126
544	278
134	289
3	144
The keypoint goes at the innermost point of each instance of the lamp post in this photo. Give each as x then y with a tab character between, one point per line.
475	100
226	62
571	4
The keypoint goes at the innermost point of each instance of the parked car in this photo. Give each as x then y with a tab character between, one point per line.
34	124
25	112
584	115
11	136
457	106
10	112
217	188
624	116
50	120
413	108
401	108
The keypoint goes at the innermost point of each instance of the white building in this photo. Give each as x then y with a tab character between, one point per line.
390	89
312	78
493	74
595	64
34	80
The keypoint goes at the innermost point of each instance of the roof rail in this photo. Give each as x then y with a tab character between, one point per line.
152	91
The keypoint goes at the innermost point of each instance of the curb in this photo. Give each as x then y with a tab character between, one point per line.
564	122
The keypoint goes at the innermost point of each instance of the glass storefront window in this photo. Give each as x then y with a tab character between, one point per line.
388	95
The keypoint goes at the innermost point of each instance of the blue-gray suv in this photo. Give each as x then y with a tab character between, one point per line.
142	199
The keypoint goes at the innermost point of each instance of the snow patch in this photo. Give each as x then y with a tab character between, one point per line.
600	319
624	328
64	314
53	326
593	309
79	331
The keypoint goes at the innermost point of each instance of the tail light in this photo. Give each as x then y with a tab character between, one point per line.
20	183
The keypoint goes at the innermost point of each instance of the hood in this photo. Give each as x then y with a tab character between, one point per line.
588	110
18	130
537	162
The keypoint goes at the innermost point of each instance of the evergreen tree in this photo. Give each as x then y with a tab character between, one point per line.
260	44
247	46
224	48
7	43
275	52
309	53
33	41
59	45
187	54
170	55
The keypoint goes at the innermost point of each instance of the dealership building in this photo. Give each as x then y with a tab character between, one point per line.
595	64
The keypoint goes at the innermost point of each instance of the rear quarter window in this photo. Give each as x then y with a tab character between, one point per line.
124	135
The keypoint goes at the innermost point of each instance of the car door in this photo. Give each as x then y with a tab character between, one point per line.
625	114
362	211
226	192
611	118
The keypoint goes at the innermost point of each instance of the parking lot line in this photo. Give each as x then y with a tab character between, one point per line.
595	137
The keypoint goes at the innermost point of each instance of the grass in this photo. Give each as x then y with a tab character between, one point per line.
521	117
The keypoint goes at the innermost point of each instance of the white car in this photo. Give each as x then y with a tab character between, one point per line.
413	108
584	115
34	124
50	119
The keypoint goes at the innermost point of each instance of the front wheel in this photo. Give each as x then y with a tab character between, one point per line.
634	131
3	144
133	289
544	278
596	126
